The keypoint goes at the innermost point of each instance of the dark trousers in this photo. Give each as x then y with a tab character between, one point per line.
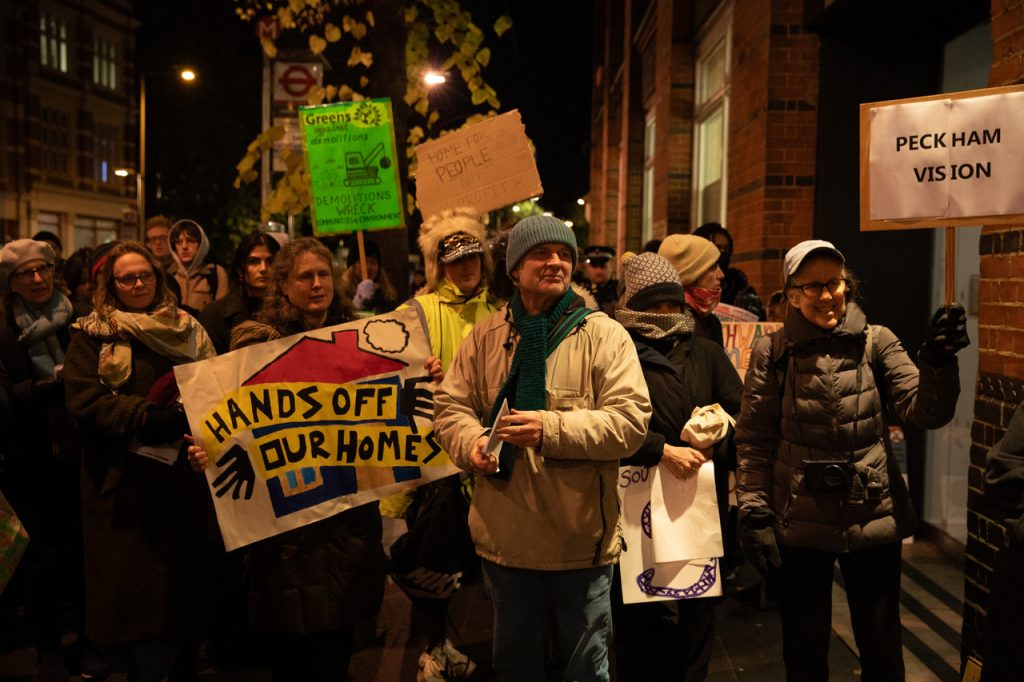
680	631
872	578
315	656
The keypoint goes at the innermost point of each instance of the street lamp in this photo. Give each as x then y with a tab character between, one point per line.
432	78
187	75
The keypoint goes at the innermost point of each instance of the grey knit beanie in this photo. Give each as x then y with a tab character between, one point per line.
13	254
649	280
690	255
533	231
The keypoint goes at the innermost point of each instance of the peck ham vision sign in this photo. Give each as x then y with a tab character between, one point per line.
948	159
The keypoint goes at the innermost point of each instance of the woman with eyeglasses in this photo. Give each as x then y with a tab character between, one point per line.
144	511
309	586
818	482
40	473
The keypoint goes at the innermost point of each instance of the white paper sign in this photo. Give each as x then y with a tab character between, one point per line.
643	579
684	516
947	158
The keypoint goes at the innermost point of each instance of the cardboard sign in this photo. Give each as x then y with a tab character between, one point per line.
739	338
943	160
299	429
350	157
484	166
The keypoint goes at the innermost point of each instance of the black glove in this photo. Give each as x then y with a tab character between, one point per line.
759	545
163	425
947	334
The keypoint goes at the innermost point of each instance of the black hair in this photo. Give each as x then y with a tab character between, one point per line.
47	236
249	243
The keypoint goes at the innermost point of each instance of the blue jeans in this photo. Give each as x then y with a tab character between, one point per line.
522	599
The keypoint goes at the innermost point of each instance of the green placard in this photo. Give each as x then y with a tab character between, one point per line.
350	157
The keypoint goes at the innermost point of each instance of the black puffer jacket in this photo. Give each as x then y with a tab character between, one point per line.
830	409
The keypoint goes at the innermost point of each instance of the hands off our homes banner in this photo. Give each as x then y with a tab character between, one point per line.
301	428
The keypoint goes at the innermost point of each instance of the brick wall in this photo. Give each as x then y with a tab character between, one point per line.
1000	346
772	136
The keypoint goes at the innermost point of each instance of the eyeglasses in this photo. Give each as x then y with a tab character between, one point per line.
162	239
814	289
128	281
28	275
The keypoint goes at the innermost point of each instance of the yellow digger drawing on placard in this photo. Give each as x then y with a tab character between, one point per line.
362	170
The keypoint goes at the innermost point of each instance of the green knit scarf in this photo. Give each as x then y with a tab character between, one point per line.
526	385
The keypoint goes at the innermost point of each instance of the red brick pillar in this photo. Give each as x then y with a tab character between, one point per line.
1001	350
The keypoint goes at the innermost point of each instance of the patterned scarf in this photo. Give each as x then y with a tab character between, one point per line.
654	326
701	299
39	327
526	385
171	332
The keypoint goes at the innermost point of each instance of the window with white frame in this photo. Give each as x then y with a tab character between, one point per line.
49	222
53	41
104	62
647	212
711	122
55	142
94	231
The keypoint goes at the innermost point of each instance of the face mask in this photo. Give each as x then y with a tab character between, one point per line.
702	300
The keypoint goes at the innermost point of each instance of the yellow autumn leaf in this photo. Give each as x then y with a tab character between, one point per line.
415	135
432	119
317	44
296	180
367	59
411	95
479	96
410	14
269	48
344	93
296	5
247	162
285	18
332	33
331	92
237	184
422	106
369	18
484	56
363	81
502	24
275	133
312	3
359	30
355	56
248	176
356	97
316	95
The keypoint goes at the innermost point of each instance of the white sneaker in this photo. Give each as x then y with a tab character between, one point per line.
459	665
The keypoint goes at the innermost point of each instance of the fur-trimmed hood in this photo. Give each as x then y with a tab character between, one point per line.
444	224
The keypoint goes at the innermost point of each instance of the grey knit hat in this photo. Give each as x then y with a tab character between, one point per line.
534	231
649	280
22	251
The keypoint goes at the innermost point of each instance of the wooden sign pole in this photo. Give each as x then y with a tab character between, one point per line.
362	253
950	266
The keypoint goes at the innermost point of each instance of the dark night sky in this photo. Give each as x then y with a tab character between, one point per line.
196	134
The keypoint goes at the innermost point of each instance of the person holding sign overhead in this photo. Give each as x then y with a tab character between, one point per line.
544	515
144	512
818	481
311	585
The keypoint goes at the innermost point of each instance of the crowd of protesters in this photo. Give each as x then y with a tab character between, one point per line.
598	371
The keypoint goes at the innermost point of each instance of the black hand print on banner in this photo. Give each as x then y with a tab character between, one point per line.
417	401
238	472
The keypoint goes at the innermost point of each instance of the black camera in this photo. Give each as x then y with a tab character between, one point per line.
827	475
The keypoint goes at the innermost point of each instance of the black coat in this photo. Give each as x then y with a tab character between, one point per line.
320	577
146	526
221	316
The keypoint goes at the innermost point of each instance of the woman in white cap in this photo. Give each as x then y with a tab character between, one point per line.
818	482
696	262
42	459
682	371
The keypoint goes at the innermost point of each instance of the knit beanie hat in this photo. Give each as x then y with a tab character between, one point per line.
534	231
650	280
20	251
690	255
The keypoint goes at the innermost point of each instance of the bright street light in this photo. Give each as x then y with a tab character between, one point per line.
515	209
187	75
123	172
432	78
581	202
